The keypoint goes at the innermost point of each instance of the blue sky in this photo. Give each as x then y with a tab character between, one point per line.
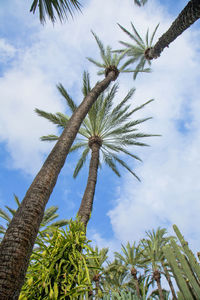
34	58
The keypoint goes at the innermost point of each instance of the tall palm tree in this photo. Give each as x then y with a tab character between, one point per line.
131	258
50	8
146	51
153	254
45	227
107	131
15	253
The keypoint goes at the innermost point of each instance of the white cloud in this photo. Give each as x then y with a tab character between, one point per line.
7	51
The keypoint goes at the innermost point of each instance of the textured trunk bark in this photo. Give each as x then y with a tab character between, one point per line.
134	274
156	275
169	282
88	197
187	17
17	244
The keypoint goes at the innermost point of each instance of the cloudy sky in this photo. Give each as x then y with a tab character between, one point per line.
35	58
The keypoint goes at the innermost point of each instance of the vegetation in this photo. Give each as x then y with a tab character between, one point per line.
106	133
15	252
67	267
45	226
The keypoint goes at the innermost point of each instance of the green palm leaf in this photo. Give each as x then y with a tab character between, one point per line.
49	7
81	162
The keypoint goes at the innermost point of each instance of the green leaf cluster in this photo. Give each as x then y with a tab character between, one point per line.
59	268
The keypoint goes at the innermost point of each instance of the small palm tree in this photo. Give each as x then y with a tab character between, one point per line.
96	268
45	227
50	8
131	258
153	254
146	51
106	131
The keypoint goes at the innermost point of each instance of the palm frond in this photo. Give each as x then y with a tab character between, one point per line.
78	146
49	138
110	162
69	100
53	8
17	200
49	215
11	210
81	162
86	84
101	46
123	164
4	215
53	118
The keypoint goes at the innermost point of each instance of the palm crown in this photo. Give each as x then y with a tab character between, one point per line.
111	60
138	50
112	128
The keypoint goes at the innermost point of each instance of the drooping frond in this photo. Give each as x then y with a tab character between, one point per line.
53	8
123	164
69	100
49	215
81	161
110	162
78	146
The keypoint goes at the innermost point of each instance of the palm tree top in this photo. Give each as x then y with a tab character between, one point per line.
51	8
111	60
137	50
112	128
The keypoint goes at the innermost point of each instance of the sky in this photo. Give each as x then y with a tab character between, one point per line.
35	58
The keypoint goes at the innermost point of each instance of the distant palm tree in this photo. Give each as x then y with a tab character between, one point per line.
45	227
153	254
50	8
106	131
15	253
145	50
131	257
96	268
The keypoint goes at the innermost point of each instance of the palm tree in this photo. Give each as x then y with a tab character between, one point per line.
146	51
96	268
15	253
51	7
153	254
131	258
45	226
106	131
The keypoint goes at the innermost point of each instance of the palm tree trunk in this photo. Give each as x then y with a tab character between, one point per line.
88	197
156	275
17	244
169	281
187	17
134	274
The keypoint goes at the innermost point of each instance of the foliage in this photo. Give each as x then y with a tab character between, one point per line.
45	226
59	269
137	50
112	59
51	7
113	125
